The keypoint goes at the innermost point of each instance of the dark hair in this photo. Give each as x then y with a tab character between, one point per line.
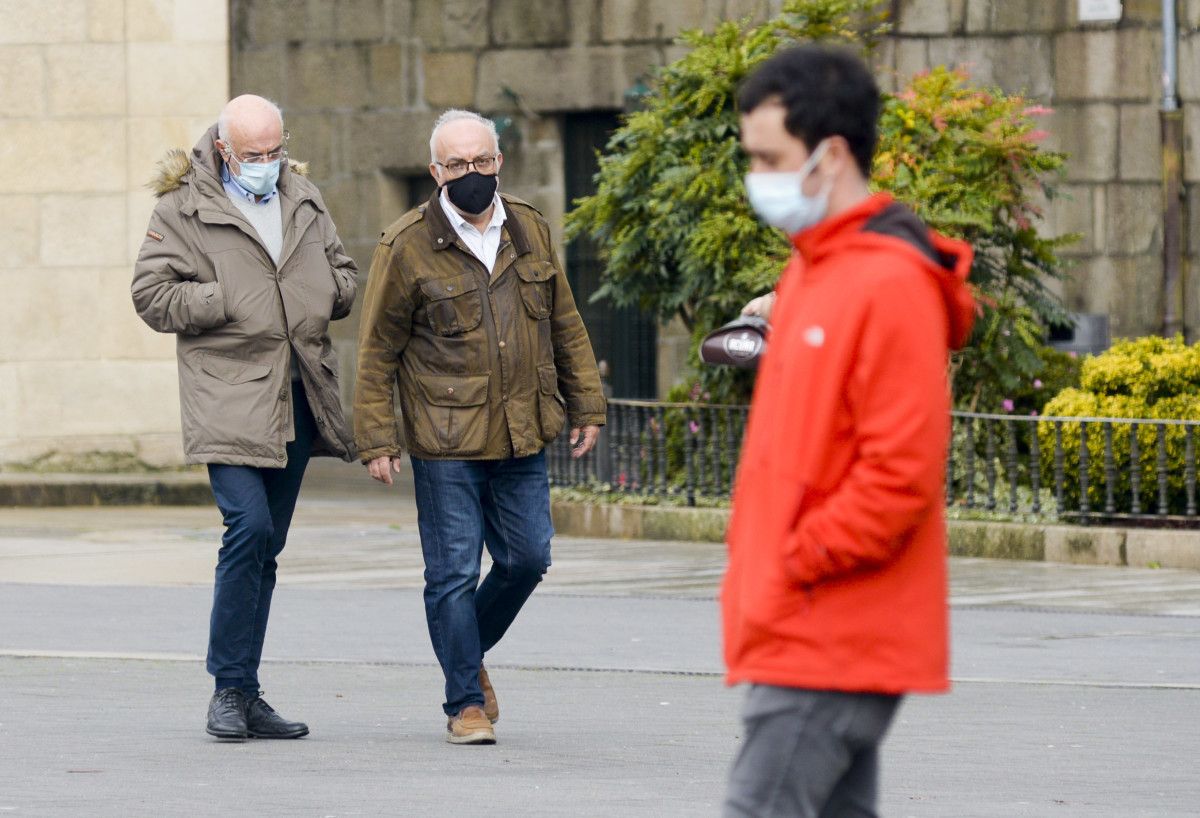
826	91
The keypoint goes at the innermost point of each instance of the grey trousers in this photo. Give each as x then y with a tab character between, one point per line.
809	754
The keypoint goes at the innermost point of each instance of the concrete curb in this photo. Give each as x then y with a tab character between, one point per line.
639	522
1079	545
171	489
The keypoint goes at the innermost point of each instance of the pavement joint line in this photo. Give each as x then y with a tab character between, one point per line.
983	680
196	658
1068	609
592	595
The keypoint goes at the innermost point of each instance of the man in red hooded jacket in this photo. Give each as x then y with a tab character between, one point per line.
834	603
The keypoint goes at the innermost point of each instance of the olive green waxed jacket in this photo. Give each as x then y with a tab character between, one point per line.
204	275
487	366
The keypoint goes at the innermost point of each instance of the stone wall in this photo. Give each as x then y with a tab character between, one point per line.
363	79
1103	82
361	82
91	93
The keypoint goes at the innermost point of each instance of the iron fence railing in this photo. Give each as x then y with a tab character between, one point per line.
1083	469
657	449
1079	469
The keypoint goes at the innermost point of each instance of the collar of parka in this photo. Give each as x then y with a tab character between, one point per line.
202	167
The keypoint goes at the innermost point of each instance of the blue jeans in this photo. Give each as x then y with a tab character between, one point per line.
461	505
256	505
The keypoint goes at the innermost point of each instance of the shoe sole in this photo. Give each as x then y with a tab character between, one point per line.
227	736
472	738
300	734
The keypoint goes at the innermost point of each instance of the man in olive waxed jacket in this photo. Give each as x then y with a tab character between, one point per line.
243	264
468	312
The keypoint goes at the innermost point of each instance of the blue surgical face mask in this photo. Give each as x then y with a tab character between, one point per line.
259	179
779	198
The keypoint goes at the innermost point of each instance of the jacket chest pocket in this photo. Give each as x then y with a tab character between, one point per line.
453	305
536	283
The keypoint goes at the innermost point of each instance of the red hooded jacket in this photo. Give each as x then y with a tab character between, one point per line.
837	544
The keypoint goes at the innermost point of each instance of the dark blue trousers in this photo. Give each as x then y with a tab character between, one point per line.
256	505
461	505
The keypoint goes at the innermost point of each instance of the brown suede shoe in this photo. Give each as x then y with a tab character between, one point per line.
491	707
470	727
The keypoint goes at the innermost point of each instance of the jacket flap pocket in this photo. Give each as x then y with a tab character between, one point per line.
454	390
535	271
449	287
547	380
233	371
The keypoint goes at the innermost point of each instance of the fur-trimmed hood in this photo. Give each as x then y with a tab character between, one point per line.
172	170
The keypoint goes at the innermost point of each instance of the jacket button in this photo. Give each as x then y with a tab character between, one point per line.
449	390
440	239
504	397
281	456
503	345
283	394
450	288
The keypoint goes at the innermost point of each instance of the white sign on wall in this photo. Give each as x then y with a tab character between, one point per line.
1099	11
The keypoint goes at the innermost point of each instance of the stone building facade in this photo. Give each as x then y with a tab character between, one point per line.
91	94
92	91
1104	82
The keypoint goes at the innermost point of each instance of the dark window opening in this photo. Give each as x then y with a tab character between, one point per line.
626	338
402	190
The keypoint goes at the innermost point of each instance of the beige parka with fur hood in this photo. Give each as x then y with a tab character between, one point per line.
204	275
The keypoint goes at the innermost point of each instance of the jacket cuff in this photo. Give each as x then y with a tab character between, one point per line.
365	456
343	300
382	441
587	406
806	560
579	421
208	310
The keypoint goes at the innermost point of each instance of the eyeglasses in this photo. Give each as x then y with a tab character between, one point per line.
262	158
457	167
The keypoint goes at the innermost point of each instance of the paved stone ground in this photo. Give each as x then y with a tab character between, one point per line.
1077	689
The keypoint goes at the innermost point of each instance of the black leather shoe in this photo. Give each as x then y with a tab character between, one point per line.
227	714
264	722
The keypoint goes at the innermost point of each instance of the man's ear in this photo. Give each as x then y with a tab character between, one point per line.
499	160
839	151
433	171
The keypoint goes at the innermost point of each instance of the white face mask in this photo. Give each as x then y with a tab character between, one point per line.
779	198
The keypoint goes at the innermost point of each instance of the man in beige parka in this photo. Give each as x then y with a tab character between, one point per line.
242	262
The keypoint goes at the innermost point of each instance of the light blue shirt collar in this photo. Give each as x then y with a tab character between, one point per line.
235	189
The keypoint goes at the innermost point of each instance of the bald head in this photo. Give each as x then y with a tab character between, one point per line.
250	124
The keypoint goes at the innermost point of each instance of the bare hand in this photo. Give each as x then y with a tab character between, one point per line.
760	306
580	447
381	468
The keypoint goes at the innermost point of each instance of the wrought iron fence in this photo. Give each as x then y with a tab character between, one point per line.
655	449
1081	469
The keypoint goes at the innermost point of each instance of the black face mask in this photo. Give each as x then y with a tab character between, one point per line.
472	193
